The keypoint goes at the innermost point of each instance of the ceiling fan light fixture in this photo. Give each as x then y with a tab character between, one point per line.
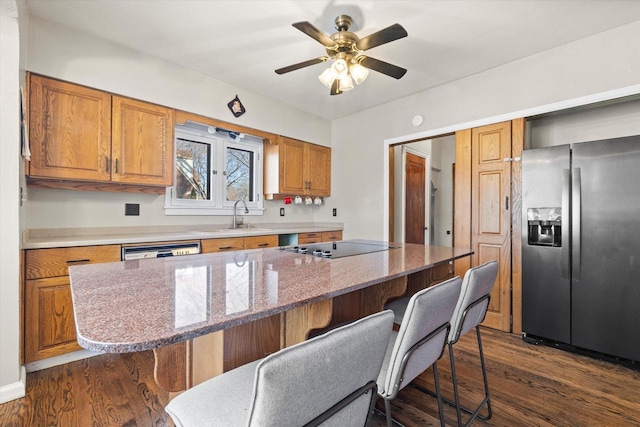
328	76
358	72
346	83
345	48
341	68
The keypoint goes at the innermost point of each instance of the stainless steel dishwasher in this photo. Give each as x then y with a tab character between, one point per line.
159	250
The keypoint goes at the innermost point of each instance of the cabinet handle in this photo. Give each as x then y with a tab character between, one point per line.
106	164
506	202
116	165
76	261
222	248
263	244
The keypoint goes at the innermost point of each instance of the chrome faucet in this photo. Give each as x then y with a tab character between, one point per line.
235	205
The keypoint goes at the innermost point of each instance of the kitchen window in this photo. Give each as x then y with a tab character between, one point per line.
213	169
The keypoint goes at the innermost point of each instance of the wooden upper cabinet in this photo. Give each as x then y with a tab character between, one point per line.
80	135
294	167
69	130
293	173
142	142
319	170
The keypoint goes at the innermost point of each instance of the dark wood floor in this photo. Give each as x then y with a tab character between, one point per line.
530	386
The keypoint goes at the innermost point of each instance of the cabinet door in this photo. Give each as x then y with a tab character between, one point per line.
70	131
292	166
318	170
222	244
142	143
331	236
308	238
41	263
256	242
50	329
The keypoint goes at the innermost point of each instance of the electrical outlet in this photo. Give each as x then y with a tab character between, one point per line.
335	212
281	211
132	209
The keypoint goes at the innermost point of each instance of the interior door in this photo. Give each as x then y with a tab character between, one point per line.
415	173
491	216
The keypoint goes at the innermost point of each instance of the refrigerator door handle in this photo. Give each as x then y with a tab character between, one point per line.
576	216
566	193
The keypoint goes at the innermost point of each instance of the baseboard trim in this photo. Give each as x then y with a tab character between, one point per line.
16	390
50	362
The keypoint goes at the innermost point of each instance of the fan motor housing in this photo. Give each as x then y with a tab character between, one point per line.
345	41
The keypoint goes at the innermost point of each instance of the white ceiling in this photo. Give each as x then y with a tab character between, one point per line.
242	42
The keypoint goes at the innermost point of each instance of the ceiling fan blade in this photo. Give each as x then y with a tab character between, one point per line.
301	65
389	34
382	67
315	33
335	89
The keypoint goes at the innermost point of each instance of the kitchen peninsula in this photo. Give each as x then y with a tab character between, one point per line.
206	314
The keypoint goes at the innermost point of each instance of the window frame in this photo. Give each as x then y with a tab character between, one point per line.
219	140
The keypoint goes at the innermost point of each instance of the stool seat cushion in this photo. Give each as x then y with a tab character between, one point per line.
398	306
222	401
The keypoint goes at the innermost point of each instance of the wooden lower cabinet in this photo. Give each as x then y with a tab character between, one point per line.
49	327
308	238
224	244
318	237
257	242
331	236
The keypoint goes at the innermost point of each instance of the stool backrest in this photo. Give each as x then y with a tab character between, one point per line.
472	305
301	383
422	335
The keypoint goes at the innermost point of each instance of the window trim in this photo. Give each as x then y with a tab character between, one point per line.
219	141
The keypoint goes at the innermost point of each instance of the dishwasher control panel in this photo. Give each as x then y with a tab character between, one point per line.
159	250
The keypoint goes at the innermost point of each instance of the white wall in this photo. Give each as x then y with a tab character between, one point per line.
604	122
11	374
61	52
601	63
444	196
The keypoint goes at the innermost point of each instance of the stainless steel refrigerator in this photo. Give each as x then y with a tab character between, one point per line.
581	246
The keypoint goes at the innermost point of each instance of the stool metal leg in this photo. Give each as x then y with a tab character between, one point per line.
487	397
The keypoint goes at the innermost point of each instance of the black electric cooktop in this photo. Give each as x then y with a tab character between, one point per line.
338	249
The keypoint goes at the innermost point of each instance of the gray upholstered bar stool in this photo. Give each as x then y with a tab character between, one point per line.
420	342
470	311
328	379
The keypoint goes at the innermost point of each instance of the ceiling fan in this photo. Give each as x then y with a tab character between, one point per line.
346	50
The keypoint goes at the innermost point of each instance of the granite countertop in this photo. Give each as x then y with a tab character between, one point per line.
68	237
144	304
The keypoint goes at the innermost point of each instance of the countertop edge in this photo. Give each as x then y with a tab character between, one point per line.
132	235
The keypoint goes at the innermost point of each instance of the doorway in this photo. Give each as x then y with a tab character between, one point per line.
421	197
415	204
